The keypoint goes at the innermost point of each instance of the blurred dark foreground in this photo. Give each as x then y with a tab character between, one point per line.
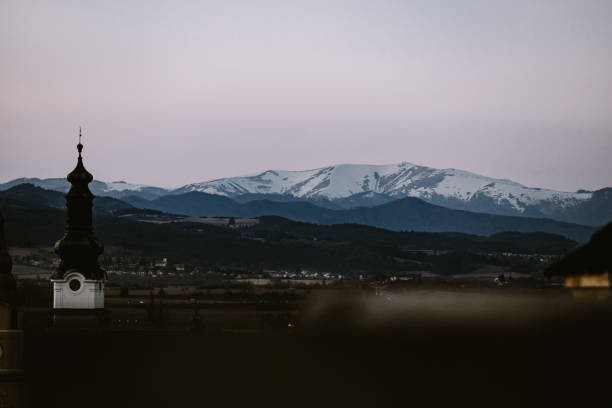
342	349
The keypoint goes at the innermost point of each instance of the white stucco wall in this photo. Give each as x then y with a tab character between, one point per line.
88	295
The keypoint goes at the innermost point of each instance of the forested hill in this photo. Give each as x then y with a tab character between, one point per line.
276	242
403	214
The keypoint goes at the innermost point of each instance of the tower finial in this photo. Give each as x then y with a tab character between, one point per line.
80	146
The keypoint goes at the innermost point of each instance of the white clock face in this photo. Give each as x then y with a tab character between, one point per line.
74	284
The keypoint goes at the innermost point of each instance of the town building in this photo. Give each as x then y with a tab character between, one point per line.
589	266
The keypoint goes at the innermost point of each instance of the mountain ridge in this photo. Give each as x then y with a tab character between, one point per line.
408	213
394	180
352	185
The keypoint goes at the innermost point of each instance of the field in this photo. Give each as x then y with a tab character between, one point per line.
464	345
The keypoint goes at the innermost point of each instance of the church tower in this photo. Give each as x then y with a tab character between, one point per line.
78	281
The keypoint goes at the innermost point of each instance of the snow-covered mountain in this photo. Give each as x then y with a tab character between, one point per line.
115	189
354	185
449	187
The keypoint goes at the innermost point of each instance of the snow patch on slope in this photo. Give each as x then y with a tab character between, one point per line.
395	180
122	186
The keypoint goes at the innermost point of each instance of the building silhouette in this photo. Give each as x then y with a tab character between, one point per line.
8	286
78	281
12	390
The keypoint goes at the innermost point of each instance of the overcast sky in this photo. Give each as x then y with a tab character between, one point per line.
174	92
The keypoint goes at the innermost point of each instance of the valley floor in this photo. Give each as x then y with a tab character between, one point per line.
374	346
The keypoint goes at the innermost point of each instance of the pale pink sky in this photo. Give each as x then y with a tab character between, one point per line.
176	92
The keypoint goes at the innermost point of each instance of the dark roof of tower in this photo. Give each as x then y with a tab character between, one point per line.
78	248
80	176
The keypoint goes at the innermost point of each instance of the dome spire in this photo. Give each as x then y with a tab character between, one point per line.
80	146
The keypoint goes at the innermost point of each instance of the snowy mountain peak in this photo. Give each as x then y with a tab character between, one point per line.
442	186
116	189
363	185
122	186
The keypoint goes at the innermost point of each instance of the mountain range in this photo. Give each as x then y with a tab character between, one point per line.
350	186
406	214
35	217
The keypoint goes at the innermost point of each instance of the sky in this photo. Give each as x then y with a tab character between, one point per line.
174	92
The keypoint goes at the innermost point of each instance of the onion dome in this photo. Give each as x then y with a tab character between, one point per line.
78	248
80	176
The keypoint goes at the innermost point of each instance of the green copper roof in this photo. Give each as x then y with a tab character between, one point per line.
78	248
